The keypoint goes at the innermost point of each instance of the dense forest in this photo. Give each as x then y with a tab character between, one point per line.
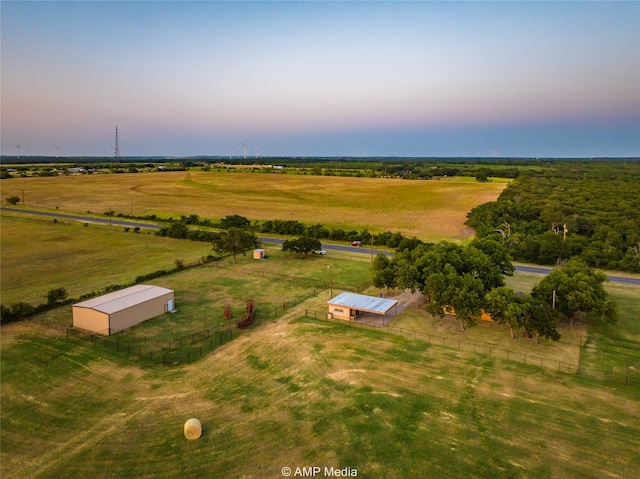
586	209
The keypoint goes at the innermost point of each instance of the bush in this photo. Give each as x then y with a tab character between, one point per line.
13	200
16	312
56	295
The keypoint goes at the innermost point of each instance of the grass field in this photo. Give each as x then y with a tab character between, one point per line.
306	393
38	255
431	210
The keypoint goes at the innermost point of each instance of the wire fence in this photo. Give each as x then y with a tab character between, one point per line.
193	346
625	375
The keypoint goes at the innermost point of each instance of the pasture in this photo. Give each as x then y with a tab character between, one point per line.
293	392
430	210
302	393
38	255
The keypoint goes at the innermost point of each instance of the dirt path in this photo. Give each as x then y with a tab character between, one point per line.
408	299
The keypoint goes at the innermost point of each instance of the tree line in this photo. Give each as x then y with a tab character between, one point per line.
184	228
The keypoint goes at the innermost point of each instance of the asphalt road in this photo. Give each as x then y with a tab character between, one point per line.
329	247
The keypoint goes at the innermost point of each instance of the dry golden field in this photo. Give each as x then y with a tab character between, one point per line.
430	210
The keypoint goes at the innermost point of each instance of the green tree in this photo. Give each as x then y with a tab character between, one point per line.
13	200
506	308
576	290
234	221
462	293
482	177
302	246
177	229
540	319
56	295
235	241
498	254
384	272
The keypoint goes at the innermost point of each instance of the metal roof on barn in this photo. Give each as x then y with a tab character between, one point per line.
361	302
125	298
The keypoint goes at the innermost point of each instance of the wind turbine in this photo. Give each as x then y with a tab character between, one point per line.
256	153
244	147
57	150
18	147
230	152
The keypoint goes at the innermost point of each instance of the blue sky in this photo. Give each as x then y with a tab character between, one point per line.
558	79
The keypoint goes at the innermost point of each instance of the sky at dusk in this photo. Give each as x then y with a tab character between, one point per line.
366	78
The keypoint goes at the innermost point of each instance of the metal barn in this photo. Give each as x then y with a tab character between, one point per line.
123	309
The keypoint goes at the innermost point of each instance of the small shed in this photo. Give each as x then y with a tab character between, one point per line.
349	305
120	310
259	253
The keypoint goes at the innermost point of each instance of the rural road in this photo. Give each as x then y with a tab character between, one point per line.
628	280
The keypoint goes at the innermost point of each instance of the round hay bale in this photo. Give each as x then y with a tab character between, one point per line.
192	429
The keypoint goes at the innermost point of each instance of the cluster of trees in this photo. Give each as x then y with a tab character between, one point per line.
467	280
589	210
319	231
302	246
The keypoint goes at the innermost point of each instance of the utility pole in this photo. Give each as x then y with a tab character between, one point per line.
579	355
330	281
554	300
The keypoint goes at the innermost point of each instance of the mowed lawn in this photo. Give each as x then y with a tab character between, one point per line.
431	210
303	393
